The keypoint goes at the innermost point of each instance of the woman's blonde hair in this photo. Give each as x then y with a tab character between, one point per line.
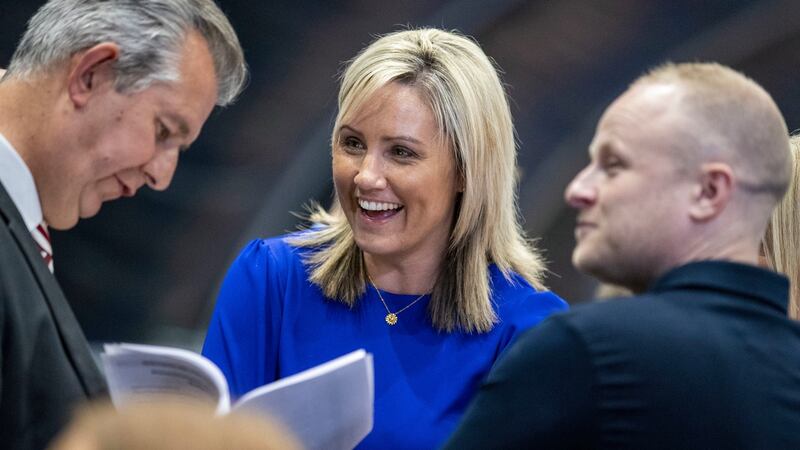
782	239
471	109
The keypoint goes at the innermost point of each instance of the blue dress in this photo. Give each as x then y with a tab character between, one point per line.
271	322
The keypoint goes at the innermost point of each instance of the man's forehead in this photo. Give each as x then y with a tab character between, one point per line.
654	92
643	112
642	102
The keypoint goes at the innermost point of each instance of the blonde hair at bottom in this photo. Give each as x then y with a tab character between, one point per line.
169	423
782	239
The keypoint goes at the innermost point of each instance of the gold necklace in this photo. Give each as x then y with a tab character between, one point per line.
391	317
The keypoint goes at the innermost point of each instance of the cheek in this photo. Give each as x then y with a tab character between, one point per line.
89	201
434	197
123	150
337	166
342	176
444	185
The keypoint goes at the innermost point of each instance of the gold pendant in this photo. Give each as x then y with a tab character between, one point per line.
391	318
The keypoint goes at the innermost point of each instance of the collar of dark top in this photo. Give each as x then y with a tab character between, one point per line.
727	276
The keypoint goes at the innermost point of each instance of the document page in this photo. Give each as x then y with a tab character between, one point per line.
135	371
329	406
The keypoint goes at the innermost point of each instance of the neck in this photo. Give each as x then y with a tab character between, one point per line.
741	253
735	240
739	250
412	276
701	246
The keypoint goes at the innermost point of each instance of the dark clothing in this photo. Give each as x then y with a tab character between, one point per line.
46	367
706	359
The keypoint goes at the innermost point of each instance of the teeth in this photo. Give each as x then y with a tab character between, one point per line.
378	206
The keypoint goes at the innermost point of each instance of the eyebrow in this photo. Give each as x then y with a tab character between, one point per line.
183	127
351	129
594	149
604	149
401	137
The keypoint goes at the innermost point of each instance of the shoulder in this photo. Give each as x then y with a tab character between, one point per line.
273	250
625	321
268	263
615	310
266	269
545	345
514	296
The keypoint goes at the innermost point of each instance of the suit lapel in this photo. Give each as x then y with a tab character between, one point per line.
72	338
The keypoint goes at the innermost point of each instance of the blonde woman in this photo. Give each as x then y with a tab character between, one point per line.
782	239
421	261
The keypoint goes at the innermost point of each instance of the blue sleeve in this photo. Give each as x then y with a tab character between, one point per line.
539	395
243	334
524	312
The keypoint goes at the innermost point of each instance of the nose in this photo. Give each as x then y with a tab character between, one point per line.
159	170
580	192
370	174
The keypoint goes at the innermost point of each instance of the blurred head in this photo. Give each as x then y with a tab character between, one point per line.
169	425
125	86
441	90
685	165
782	239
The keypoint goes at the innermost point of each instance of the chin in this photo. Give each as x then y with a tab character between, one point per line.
62	223
90	210
586	263
376	246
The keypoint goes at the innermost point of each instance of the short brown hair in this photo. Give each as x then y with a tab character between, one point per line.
733	117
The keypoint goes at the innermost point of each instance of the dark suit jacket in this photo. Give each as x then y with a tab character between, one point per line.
45	362
706	359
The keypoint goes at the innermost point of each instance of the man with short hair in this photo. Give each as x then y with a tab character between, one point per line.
99	99
685	168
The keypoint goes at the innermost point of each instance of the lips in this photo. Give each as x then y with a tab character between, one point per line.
125	190
582	227
374	210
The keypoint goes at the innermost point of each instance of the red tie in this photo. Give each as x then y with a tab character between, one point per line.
42	238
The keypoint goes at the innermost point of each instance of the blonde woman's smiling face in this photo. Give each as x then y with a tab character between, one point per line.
395	178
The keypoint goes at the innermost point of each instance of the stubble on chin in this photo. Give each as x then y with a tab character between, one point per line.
590	262
582	265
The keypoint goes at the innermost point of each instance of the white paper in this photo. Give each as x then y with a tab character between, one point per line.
329	406
134	371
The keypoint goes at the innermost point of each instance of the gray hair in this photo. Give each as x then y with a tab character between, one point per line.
150	34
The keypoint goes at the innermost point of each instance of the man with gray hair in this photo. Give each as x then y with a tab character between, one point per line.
99	99
685	168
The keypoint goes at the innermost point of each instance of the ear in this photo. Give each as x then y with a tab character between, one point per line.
91	70
713	191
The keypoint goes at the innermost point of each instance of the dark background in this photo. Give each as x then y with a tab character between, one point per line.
147	269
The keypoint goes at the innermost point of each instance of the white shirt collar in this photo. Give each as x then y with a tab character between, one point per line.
18	182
